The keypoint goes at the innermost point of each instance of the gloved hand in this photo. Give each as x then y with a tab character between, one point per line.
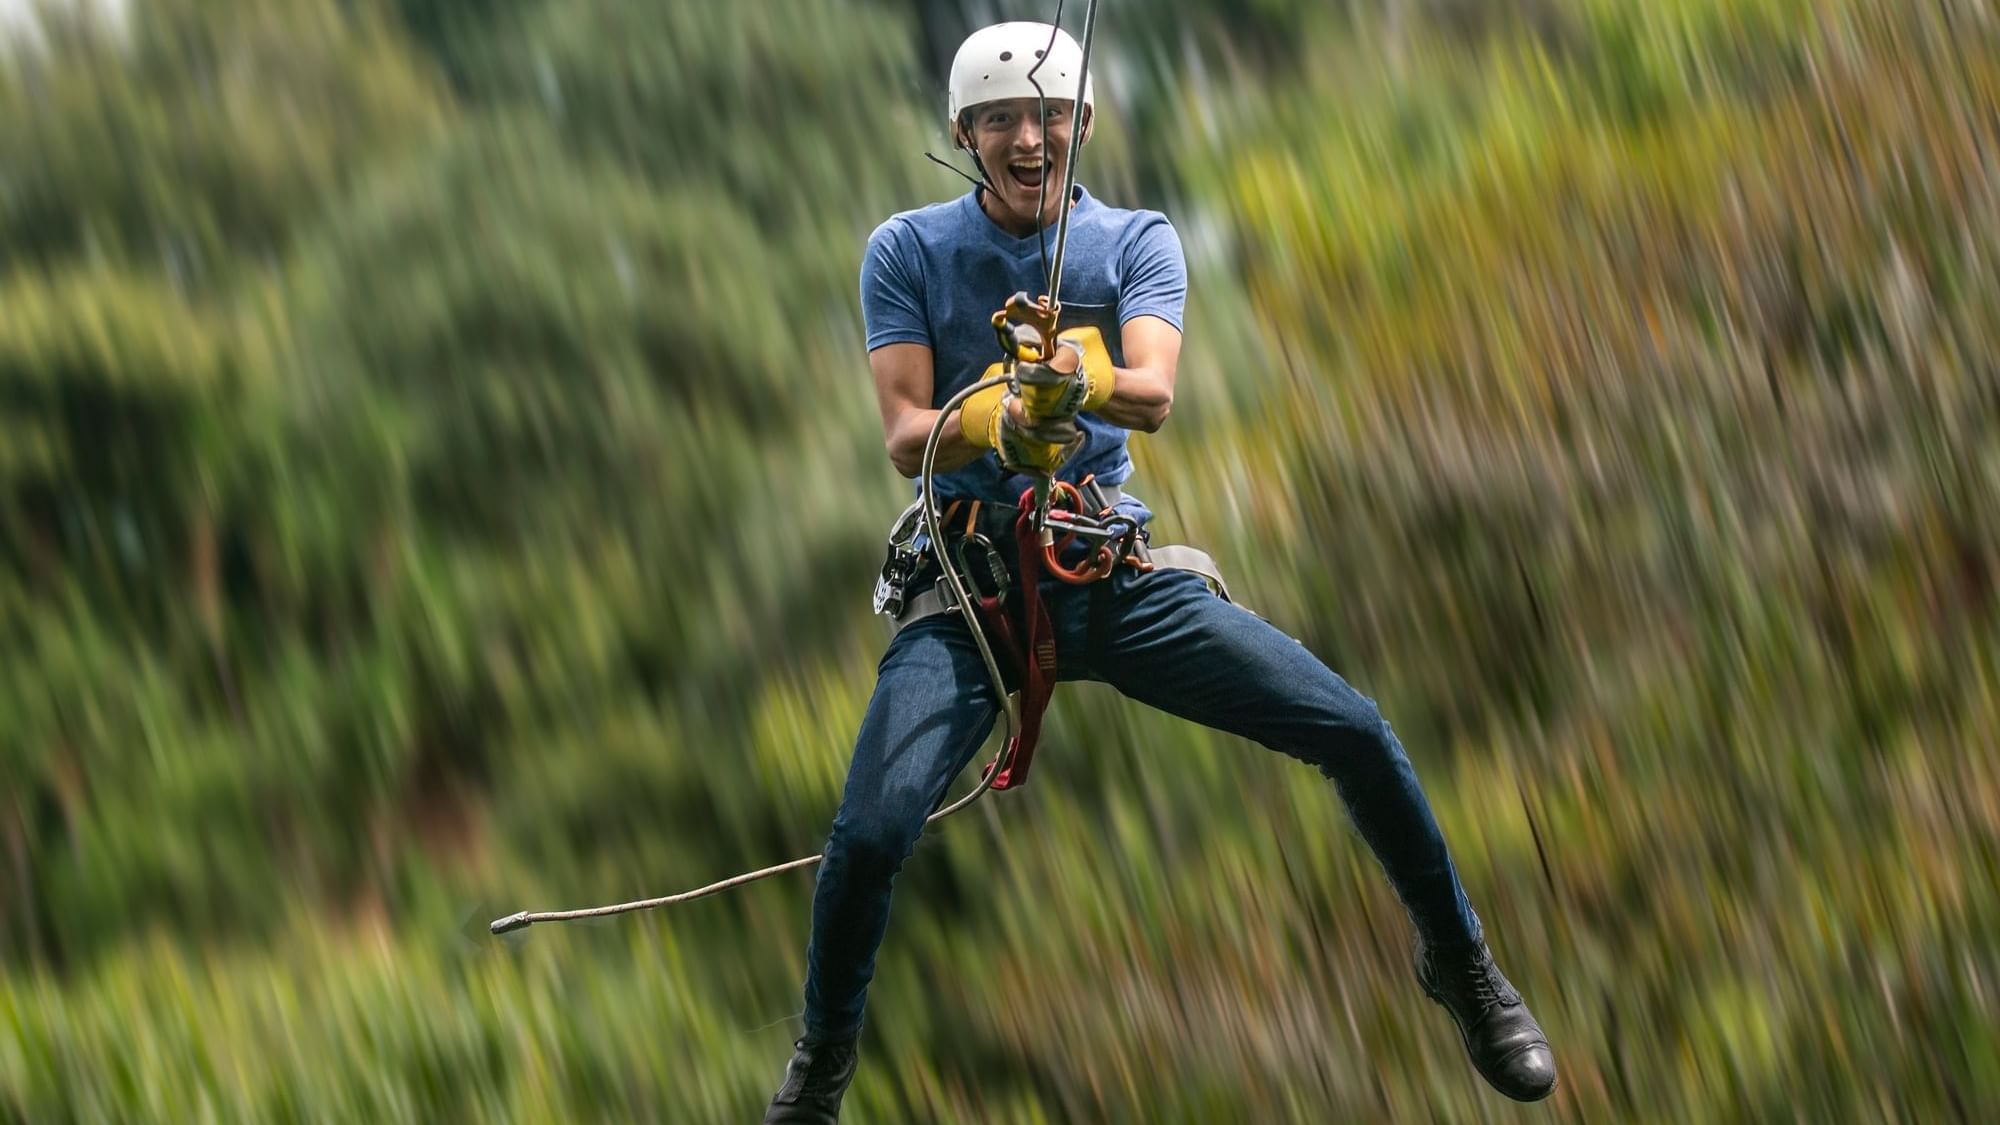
1078	377
997	419
979	416
1027	446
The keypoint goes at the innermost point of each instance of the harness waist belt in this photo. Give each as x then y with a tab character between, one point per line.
1171	556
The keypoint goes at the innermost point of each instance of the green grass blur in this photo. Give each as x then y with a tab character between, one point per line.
439	476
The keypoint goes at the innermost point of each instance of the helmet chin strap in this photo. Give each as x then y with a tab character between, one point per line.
985	184
985	176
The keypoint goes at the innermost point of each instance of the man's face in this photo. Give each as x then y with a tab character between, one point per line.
1009	141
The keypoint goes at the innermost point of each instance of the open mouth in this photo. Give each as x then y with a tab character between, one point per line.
1028	173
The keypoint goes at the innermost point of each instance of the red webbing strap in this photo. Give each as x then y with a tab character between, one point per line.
1001	627
1038	680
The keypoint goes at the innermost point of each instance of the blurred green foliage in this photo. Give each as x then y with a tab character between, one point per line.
438	476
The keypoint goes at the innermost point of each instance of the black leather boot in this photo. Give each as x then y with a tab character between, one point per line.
814	1082
1506	1044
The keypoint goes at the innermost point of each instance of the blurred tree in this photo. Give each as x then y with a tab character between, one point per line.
194	145
414	490
121	408
798	110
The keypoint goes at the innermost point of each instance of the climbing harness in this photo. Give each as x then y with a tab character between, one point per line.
1084	513
973	578
903	563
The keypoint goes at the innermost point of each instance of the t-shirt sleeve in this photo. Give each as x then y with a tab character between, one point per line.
1154	280
892	304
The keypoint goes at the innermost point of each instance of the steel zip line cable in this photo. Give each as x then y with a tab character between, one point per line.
1075	150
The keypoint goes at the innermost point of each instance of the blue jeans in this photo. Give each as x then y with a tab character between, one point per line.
1162	639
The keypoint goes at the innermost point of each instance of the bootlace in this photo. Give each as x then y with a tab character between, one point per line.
1475	979
1481	983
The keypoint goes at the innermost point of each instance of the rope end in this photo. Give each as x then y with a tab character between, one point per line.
510	923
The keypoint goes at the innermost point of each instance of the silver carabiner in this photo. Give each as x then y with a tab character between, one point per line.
995	571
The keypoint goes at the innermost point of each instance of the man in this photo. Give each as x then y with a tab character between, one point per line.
930	281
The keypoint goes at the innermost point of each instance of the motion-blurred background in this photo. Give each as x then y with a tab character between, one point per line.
439	475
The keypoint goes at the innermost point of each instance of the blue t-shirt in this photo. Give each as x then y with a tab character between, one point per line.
936	275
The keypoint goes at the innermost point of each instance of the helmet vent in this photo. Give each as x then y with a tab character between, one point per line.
1038	54
1006	56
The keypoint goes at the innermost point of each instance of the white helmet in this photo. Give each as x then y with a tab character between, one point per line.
992	65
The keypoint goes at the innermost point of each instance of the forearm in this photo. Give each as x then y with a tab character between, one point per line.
913	430
1140	399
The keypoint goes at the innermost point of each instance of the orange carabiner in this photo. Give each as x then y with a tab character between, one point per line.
1099	567
1100	564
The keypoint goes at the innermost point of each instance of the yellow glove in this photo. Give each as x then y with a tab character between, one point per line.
979	416
1078	377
